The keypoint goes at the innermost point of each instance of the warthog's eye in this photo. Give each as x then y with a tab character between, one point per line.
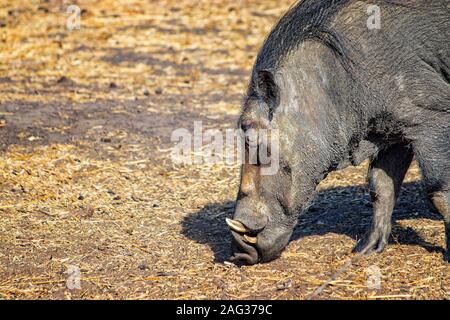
247	125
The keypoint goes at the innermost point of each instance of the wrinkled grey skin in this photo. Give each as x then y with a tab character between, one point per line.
340	93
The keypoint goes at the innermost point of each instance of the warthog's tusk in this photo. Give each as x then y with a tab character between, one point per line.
252	240
236	225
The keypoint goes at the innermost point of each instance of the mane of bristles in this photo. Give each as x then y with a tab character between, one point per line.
308	19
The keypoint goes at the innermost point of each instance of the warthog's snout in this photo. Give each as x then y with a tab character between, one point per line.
255	245
245	242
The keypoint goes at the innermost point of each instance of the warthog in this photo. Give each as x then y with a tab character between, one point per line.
338	91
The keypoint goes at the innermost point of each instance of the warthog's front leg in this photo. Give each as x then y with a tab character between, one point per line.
386	173
441	201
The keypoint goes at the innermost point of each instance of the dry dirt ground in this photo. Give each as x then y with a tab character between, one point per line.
86	178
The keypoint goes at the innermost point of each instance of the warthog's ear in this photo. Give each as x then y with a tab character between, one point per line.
267	89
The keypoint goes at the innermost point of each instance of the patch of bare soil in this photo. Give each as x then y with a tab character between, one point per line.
87	181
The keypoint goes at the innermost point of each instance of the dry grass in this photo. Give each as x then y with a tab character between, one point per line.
86	177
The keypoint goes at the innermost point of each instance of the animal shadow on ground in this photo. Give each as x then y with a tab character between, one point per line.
342	210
